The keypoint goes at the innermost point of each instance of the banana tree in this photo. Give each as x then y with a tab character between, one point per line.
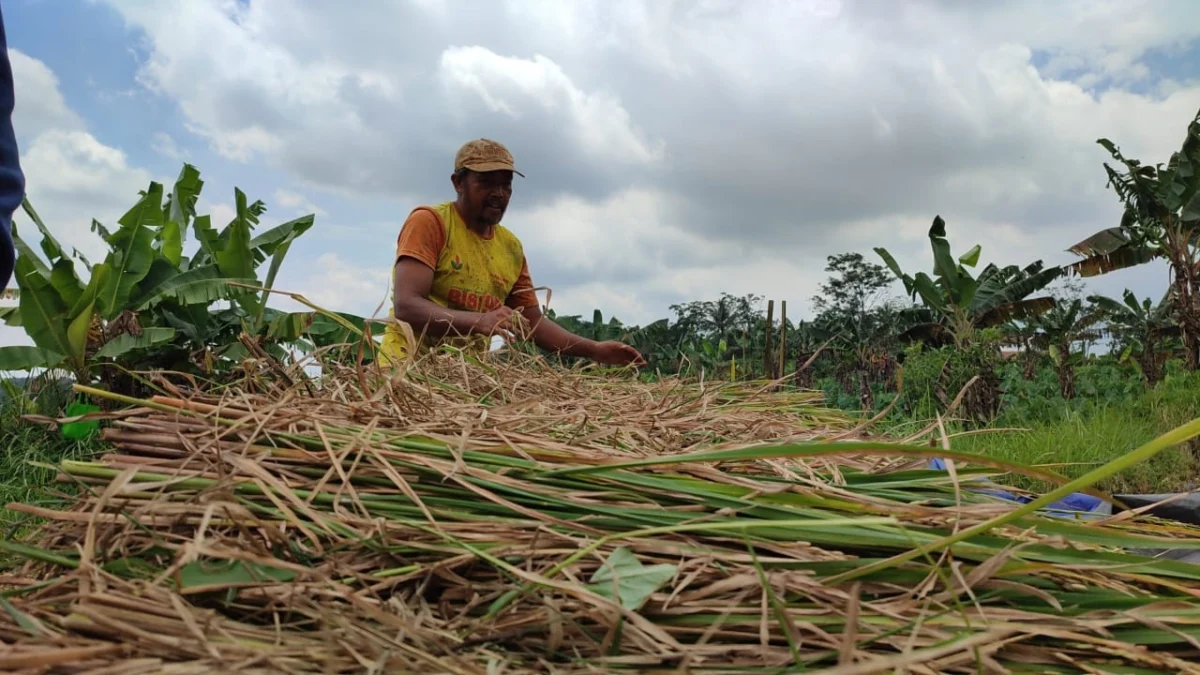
655	342
596	329
1021	334
1057	330
960	303
307	332
1144	326
1161	220
70	322
602	331
806	341
146	298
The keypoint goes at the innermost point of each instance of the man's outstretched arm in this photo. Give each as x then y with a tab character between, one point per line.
554	338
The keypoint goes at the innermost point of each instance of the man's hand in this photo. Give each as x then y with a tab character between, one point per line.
613	353
502	321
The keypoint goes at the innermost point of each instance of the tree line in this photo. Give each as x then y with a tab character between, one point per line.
860	333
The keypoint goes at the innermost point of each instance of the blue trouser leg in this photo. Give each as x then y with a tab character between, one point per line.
12	181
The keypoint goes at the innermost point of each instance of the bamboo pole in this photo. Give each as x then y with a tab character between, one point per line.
782	338
768	362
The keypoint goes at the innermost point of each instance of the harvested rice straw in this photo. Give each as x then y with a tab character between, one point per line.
520	518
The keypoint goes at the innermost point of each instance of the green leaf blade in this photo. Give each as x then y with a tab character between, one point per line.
42	309
23	358
172	242
132	251
971	257
198	286
77	335
123	344
208	576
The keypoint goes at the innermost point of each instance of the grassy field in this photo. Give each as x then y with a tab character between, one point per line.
1074	439
1113	414
24	446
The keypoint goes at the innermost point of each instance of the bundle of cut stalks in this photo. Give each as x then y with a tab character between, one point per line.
469	518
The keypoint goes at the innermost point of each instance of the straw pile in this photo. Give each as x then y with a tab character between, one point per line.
471	518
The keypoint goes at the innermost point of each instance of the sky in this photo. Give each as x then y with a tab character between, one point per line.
673	150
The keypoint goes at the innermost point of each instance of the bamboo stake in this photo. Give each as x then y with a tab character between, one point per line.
782	338
767	361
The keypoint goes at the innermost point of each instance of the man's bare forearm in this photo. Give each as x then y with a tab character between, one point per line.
430	318
556	339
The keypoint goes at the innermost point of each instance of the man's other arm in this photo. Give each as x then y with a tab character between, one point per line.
412	279
558	340
417	249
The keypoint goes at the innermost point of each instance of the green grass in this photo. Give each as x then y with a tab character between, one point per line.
24	445
1081	442
1113	414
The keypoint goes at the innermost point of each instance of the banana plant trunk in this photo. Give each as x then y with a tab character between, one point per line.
1029	364
804	376
846	379
982	400
865	396
1029	359
1066	380
1066	370
1191	338
1151	365
1187	291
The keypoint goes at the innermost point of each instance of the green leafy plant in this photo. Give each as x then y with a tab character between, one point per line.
1161	220
147	305
1143	327
1021	334
959	302
72	323
1057	330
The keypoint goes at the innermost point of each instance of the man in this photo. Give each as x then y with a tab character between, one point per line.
12	181
461	277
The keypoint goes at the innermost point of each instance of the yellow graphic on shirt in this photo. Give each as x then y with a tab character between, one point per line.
473	273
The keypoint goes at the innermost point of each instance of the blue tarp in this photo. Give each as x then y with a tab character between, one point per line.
1077	503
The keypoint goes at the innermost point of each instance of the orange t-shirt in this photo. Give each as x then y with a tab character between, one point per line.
423	237
471	272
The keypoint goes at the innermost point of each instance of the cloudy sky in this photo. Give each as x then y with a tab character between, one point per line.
673	149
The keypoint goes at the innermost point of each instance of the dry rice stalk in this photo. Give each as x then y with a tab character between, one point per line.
453	525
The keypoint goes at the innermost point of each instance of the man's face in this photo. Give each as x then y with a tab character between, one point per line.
486	194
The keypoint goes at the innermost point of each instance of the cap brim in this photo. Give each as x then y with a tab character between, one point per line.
493	166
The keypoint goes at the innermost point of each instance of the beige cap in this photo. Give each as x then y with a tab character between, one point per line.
483	154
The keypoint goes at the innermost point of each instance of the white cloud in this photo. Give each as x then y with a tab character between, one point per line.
512	86
341	285
338	117
71	177
241	145
1107	37
162	143
39	103
298	203
220	213
631	234
677	150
